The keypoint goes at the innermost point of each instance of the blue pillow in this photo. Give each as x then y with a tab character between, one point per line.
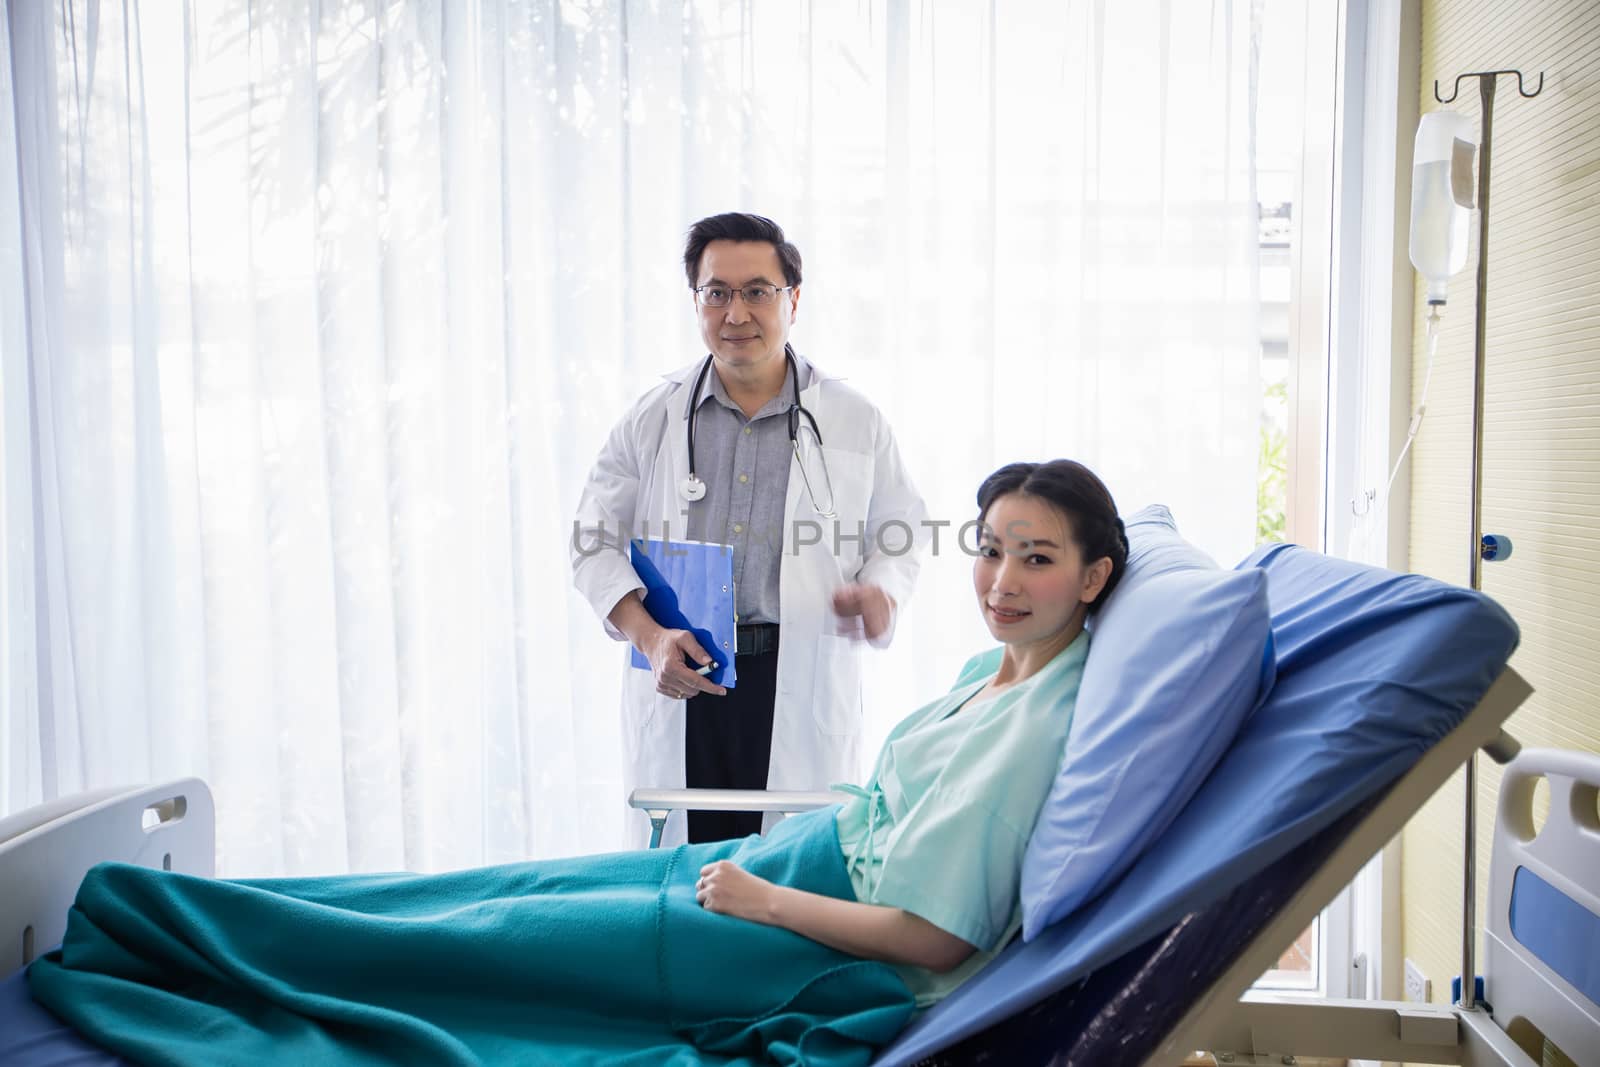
1178	657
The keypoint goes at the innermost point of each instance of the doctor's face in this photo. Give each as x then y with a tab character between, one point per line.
742	334
1033	585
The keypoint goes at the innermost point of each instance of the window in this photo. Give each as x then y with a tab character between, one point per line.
1296	43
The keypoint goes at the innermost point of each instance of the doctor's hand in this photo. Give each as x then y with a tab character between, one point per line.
728	889
674	677
869	603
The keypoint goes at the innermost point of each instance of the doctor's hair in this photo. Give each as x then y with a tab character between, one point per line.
738	226
1075	491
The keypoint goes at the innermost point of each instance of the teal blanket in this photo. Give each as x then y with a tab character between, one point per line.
593	960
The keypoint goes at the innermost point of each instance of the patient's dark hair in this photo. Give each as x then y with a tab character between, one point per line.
1073	490
737	226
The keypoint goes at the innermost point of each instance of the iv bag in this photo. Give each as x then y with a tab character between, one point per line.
1441	198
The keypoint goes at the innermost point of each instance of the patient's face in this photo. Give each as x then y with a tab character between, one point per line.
1030	577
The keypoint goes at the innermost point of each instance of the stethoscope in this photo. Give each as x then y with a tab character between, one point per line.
692	488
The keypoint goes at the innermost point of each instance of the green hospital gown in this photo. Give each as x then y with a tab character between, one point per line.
941	826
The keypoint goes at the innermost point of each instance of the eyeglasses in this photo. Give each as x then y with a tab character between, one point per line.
720	296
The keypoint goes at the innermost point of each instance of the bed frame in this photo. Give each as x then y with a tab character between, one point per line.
1531	998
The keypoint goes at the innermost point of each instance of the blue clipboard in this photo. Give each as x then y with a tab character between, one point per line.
688	585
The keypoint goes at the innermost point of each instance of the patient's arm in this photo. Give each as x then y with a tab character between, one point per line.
871	931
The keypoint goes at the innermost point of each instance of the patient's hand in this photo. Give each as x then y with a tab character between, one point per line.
871	931
728	889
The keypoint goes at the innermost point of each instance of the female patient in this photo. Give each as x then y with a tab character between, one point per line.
934	843
811	945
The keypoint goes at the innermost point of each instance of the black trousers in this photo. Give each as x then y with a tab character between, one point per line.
727	743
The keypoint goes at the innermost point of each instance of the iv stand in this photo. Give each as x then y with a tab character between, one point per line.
1480	550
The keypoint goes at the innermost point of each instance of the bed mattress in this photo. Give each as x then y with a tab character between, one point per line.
35	1038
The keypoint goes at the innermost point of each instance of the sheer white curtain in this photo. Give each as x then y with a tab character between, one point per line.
315	313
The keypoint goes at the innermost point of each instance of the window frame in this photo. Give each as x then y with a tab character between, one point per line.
1350	373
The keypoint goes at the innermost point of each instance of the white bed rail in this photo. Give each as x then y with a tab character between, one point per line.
658	804
1561	860
45	852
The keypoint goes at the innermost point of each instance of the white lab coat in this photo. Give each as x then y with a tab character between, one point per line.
634	486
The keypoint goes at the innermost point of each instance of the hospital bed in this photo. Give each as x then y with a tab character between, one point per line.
1189	988
1158	964
1184	989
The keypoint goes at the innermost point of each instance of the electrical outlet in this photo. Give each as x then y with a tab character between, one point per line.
1419	988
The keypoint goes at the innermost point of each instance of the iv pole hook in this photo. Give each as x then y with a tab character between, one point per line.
1488	74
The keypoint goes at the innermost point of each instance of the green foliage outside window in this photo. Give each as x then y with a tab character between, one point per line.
1272	474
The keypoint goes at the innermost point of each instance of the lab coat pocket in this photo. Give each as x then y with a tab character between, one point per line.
641	703
836	703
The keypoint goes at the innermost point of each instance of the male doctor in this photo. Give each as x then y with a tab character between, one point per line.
800	475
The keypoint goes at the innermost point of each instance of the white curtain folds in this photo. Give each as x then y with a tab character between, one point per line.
314	313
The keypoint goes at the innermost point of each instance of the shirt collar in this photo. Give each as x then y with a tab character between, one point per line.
683	377
778	405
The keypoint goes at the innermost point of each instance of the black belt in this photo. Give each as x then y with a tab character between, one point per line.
756	639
